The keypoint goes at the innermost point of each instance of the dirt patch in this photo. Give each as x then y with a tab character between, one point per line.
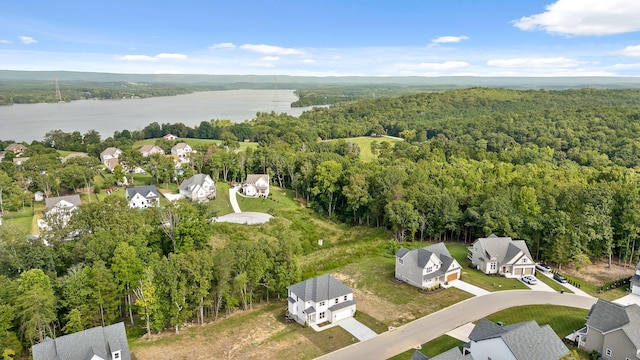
599	272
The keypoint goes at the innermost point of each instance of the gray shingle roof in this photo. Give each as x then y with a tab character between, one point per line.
323	287
148	192
53	201
503	249
419	356
253	178
526	340
100	341
197	179
606	316
420	258
452	354
342	305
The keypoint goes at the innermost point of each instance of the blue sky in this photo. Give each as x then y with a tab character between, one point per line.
325	38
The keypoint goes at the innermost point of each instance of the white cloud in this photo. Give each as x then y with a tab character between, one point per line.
556	62
449	39
262	64
308	61
631	51
271	58
226	45
447	65
4	41
137	58
147	58
171	56
585	17
270	49
27	40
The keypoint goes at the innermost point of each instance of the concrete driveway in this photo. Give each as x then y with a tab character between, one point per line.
540	286
425	329
357	329
233	200
471	289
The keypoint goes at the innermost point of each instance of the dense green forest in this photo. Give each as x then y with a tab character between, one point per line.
555	168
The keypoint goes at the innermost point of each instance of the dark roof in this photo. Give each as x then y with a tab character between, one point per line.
635	279
485	329
419	356
606	316
53	201
402	252
503	249
452	354
100	341
420	258
342	305
144	191
323	287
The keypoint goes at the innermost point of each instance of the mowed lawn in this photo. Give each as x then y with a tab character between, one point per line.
364	144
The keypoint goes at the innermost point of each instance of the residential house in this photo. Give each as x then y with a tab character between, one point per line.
522	341
143	196
199	187
109	157
319	300
59	209
427	267
148	150
502	255
256	185
182	150
635	281
613	330
17	149
98	343
170	137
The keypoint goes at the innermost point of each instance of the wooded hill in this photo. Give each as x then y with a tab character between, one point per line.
555	168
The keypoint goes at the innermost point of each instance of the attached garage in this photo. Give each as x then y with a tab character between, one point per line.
452	276
517	271
342	310
528	271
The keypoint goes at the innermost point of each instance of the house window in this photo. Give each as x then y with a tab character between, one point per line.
607	352
524	260
116	355
322	315
321	303
401	261
345	298
337	300
429	269
493	266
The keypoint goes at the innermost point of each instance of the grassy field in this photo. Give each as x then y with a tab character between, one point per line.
553	284
477	278
21	220
278	199
432	348
364	143
593	290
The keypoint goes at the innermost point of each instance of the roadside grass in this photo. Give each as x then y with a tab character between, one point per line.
374	275
221	204
432	348
552	283
364	144
562	319
372	323
477	278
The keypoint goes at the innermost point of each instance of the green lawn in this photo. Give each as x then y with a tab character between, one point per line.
552	283
372	323
563	320
364	143
593	290
478	278
21	220
278	199
432	348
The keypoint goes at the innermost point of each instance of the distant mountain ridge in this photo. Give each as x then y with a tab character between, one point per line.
454	81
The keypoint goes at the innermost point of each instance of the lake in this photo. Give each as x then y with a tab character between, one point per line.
28	122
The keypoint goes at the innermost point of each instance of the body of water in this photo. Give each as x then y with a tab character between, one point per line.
28	122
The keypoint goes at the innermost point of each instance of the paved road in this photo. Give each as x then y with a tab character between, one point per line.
420	331
233	200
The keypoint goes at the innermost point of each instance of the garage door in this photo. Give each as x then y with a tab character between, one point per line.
518	271
342	314
528	271
452	277
636	290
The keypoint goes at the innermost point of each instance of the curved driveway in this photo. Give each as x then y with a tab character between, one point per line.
233	200
425	329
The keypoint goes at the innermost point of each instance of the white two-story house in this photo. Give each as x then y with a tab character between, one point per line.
427	267
182	150
320	300
143	196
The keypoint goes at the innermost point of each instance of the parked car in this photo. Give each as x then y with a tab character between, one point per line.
543	267
529	279
559	278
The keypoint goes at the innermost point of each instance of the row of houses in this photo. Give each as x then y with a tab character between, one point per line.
180	152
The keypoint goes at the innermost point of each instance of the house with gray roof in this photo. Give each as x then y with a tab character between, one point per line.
634	282
256	185
148	150
320	300
59	210
613	330
199	187
143	196
98	343
503	256
522	341
427	267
